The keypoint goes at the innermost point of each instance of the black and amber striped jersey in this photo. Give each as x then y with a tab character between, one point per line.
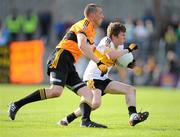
69	42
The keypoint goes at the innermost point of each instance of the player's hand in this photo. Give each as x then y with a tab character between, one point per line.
132	47
132	64
102	67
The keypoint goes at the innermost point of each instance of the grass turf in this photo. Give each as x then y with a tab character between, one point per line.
39	119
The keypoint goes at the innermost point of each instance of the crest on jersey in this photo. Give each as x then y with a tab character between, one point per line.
108	41
85	25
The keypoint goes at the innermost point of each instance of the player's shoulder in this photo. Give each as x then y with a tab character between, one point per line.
106	41
84	24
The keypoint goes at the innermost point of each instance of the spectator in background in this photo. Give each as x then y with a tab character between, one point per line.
177	49
150	69
174	20
129	29
69	22
148	15
174	67
170	39
99	35
13	24
60	30
62	27
105	24
150	37
4	35
45	22
141	35
29	24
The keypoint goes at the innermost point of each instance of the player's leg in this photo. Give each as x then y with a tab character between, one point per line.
77	113
40	94
96	102
70	118
129	91
86	109
57	80
80	88
115	87
100	85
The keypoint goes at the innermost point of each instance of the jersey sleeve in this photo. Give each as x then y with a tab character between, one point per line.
104	45
83	27
87	29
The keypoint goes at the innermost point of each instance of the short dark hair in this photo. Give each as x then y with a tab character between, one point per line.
90	8
114	28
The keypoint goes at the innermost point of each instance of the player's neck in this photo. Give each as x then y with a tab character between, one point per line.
95	26
114	42
93	23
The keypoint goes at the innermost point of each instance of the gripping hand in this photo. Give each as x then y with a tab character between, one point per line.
132	47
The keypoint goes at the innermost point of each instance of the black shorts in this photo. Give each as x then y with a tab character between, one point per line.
62	71
101	84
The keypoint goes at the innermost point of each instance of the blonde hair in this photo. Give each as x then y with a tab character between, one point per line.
91	8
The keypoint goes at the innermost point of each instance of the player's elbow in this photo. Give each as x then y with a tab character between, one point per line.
82	47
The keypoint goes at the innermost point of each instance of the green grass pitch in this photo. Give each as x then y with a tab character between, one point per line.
39	119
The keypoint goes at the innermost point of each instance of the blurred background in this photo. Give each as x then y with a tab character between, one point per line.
31	29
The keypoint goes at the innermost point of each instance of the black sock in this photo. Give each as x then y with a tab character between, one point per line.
35	96
85	110
71	117
132	110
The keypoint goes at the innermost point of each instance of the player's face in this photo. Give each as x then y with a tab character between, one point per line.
121	38
98	17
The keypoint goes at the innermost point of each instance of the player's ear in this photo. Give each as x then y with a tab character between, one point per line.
91	15
113	37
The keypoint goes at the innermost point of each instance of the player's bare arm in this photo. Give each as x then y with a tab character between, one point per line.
114	54
86	50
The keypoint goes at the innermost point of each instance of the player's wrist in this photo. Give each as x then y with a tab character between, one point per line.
132	47
129	50
99	63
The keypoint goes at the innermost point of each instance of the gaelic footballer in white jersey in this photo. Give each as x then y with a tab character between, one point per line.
92	71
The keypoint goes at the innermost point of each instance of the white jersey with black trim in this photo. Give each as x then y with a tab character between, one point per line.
92	71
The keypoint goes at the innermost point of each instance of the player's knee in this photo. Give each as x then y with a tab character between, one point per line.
85	92
87	96
56	94
96	105
56	91
132	90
